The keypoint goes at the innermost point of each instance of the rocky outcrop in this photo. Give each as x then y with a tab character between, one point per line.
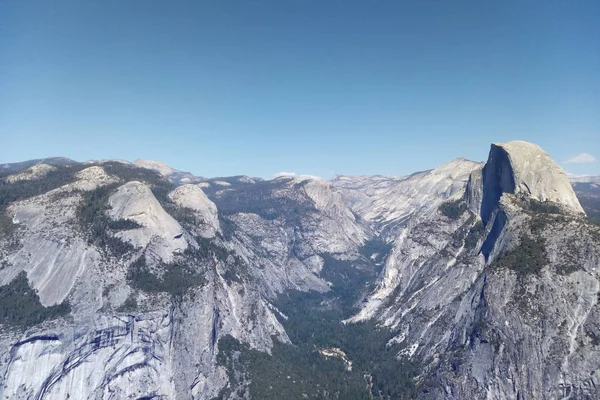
517	333
192	197
36	172
416	263
474	191
118	357
54	161
524	169
388	203
333	219
53	255
175	176
135	201
90	179
489	326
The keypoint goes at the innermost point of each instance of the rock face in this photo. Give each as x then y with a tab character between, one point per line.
35	172
160	233
488	276
53	257
524	169
192	197
123	357
127	340
13	168
175	176
158	166
387	203
498	323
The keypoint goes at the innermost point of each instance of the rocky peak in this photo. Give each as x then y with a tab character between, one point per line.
158	166
388	202
173	175
192	197
35	172
524	169
135	201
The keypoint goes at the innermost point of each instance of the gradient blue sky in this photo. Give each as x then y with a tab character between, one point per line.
316	87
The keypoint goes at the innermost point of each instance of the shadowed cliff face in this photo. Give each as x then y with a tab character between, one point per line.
498	178
474	191
498	221
525	170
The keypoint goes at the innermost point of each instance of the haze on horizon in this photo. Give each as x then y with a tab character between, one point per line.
257	88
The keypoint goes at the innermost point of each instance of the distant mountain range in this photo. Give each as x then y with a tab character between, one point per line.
132	280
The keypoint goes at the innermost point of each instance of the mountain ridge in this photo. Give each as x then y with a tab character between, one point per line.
191	290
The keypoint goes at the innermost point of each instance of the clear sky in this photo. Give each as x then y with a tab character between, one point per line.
315	87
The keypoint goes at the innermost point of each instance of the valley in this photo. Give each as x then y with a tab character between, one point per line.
134	280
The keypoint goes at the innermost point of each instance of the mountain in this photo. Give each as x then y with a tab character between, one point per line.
387	203
134	280
175	176
588	193
11	168
584	178
500	303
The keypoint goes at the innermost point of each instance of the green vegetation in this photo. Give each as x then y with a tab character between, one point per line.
175	278
350	280
376	249
11	192
543	207
7	227
259	198
208	248
475	233
458	236
20	304
468	234
569	259
209	251
15	191
543	213
122	224
100	229
594	337
228	227
183	215
315	322
453	209
159	185
527	258
290	373
312	326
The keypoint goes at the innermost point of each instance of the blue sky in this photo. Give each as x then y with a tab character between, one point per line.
315	87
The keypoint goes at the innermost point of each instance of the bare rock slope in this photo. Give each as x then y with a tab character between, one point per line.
122	280
501	303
